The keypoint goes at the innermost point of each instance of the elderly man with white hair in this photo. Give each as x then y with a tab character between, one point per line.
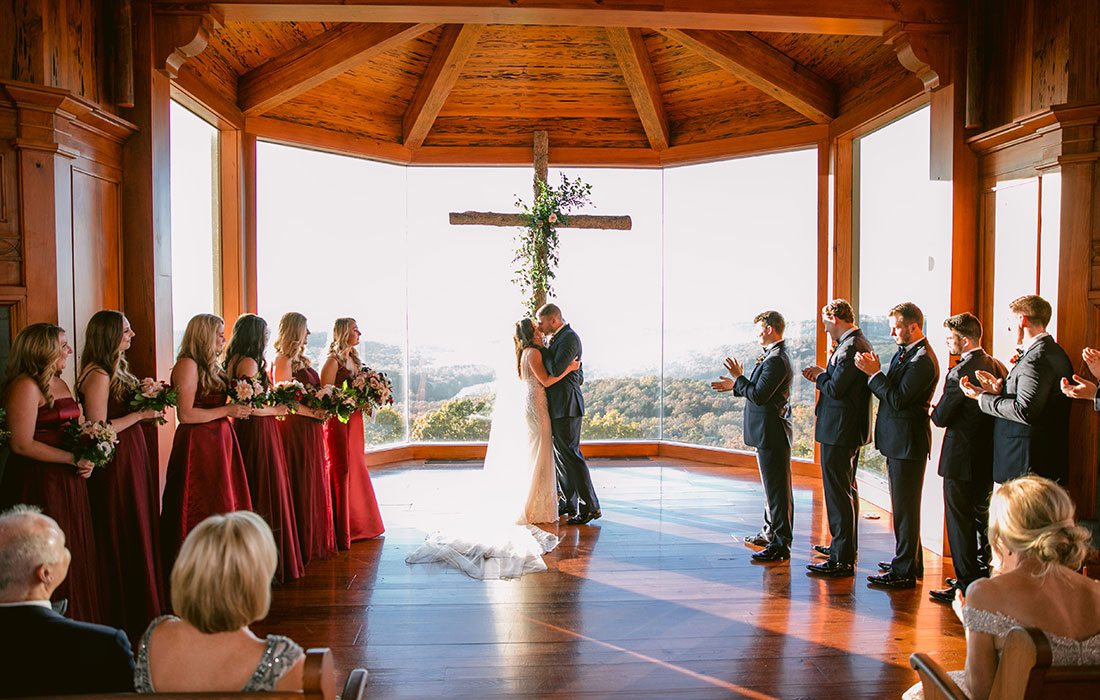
41	652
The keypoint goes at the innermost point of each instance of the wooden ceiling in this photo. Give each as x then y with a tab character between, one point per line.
432	92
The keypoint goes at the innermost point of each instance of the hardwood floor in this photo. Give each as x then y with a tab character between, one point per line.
655	600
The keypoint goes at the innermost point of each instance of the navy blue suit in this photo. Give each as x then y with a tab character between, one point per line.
566	405
43	653
767	427
843	426
903	435
966	465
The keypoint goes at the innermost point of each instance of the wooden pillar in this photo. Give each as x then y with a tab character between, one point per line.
249	242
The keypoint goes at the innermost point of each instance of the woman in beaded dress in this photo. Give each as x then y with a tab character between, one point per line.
221	584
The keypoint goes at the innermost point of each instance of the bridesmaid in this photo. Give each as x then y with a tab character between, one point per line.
354	507
39	472
205	472
303	443
125	494
262	447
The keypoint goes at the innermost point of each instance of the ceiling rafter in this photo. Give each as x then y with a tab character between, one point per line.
637	71
755	62
318	60
456	42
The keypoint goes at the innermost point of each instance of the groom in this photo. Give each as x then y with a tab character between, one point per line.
566	404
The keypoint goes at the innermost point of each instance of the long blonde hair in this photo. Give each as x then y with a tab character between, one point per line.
341	347
200	344
102	339
1034	517
34	353
291	342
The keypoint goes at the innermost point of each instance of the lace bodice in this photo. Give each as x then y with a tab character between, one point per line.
280	653
1066	651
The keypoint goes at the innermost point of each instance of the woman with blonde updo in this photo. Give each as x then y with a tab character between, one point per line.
205	472
354	507
39	471
125	493
1037	550
303	443
221	584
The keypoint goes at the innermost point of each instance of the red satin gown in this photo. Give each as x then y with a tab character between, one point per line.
269	486
303	444
205	477
125	496
62	494
354	507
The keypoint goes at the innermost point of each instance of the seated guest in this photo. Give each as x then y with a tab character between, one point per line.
41	652
1037	549
221	583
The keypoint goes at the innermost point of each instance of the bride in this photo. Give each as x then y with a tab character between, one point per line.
518	486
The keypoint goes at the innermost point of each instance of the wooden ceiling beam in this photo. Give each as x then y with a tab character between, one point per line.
633	58
318	60
765	68
456	42
860	17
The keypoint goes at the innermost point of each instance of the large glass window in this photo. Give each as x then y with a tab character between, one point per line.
331	243
904	241
740	238
196	230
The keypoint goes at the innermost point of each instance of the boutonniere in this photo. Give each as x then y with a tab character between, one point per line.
761	358
1015	357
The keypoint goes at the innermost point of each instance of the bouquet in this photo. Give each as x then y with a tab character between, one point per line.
95	442
290	393
158	396
371	389
338	402
5	434
248	392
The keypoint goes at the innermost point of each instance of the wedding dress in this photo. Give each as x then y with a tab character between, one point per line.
517	487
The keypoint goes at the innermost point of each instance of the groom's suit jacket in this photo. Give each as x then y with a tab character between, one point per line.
564	399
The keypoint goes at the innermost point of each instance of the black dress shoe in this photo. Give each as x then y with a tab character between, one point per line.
584	518
951	582
943	595
889	580
757	540
773	552
884	565
832	568
823	549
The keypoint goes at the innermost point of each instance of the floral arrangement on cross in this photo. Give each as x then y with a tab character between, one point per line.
537	245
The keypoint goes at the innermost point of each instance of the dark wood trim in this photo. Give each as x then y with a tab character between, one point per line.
633	58
248	244
456	43
201	98
305	136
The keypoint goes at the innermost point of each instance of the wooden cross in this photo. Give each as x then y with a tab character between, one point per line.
586	221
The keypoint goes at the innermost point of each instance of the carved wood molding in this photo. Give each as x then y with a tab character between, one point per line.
1074	131
182	32
46	117
925	50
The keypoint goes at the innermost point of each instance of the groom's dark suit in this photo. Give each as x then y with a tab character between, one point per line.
566	404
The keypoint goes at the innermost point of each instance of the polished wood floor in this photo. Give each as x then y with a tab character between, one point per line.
656	600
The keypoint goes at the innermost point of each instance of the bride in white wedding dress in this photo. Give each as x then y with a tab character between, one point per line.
518	486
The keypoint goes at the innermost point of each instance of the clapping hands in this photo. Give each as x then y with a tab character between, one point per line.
1080	388
735	369
813	372
987	384
868	363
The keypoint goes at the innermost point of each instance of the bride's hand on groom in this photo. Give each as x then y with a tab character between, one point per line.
574	365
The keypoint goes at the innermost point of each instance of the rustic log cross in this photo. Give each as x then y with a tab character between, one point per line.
585	221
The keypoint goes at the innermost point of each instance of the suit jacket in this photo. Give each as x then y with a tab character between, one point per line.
43	653
967	451
768	390
843	407
902	430
1031	415
564	399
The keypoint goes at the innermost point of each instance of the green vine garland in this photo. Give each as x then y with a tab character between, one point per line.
537	245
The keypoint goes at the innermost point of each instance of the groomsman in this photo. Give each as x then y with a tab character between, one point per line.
843	426
966	458
767	427
903	435
1031	415
1081	388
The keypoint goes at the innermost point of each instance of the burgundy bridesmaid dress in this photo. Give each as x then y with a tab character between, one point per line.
125	496
303	444
62	494
269	485
354	506
205	477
